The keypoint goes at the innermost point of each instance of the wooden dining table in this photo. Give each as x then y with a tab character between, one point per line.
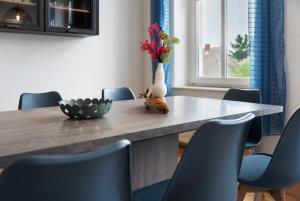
154	136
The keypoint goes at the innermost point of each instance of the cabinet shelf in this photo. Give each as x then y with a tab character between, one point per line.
18	3
70	9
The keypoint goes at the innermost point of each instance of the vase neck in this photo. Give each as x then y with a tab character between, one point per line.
160	74
160	65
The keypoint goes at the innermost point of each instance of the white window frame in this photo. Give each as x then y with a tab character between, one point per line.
210	81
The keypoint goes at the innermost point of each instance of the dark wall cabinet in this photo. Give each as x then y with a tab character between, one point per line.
53	17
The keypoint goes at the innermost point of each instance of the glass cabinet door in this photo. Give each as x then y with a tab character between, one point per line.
72	16
21	14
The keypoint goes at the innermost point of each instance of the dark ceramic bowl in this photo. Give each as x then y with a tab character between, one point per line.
85	109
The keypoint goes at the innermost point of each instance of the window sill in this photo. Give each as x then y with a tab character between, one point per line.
241	83
217	89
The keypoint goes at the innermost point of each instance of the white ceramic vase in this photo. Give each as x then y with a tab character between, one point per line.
159	88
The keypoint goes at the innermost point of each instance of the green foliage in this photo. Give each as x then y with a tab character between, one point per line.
163	35
240	70
170	40
166	57
167	42
240	48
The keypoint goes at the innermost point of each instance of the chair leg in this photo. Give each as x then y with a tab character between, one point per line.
278	195
249	152
258	196
242	192
295	191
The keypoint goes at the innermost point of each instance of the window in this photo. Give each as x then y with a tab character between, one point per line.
222	43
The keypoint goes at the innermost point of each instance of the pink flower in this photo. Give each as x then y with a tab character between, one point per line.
153	56
162	50
155	27
153	44
150	31
155	48
145	45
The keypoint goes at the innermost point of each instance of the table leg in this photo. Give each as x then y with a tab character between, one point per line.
153	160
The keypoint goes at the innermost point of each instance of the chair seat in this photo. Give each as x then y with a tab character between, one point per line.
184	139
154	192
253	167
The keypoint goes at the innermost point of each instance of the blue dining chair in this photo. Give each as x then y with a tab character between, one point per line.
100	175
118	94
274	173
252	96
209	167
39	100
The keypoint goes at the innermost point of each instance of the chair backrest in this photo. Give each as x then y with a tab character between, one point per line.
39	100
99	175
251	96
284	168
118	94
211	163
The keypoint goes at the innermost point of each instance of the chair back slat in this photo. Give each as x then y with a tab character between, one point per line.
118	94
284	168
100	175
39	100
211	163
251	96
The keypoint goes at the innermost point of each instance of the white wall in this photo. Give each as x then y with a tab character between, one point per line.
147	60
292	55
185	53
76	67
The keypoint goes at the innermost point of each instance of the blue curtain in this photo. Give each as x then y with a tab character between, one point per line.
267	53
160	14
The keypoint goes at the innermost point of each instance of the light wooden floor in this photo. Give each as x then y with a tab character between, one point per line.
291	194
266	197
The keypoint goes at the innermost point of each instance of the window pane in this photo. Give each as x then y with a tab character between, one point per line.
209	23
238	61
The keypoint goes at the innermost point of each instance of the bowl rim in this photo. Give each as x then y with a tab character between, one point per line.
73	102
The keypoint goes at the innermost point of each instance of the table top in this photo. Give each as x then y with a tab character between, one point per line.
36	130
